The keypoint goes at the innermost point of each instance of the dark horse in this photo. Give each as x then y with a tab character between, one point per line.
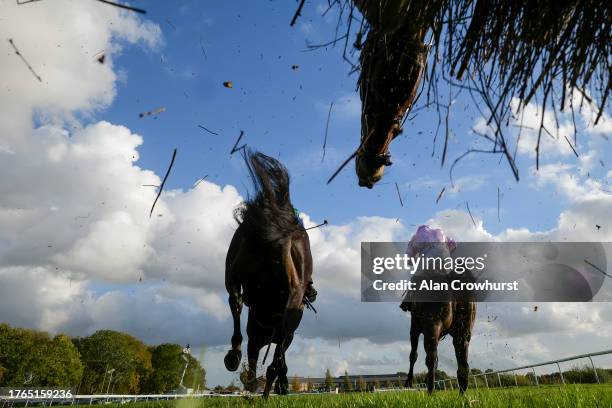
268	268
434	320
392	63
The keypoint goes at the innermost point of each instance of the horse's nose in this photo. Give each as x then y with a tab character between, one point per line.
367	184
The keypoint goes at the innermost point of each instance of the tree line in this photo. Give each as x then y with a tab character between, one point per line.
106	361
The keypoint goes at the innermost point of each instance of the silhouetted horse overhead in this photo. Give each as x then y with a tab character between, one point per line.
268	268
392	64
437	319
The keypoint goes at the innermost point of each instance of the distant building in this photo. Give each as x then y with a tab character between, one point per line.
340	382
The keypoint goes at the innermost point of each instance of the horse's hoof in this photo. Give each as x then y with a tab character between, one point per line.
251	386
251	382
281	386
232	359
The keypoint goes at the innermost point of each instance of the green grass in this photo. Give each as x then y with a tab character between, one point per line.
570	396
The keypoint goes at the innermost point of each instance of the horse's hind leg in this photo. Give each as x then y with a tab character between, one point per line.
461	344
415	332
431	338
281	387
272	371
233	357
257	340
237	267
278	368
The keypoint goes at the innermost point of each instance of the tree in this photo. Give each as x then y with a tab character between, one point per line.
32	358
62	363
167	368
347	383
168	365
114	360
232	387
296	386
441	375
329	380
361	384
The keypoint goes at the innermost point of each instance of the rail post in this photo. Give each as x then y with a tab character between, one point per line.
594	370
515	380
476	382
499	380
486	381
450	381
561	374
535	376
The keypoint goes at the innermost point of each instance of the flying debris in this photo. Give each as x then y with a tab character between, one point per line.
440	195
331	105
317	226
153	112
208	130
228	84
236	148
25	61
399	195
161	187
101	57
123	6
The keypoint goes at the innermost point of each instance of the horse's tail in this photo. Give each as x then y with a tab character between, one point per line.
269	215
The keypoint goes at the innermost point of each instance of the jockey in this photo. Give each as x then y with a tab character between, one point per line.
424	240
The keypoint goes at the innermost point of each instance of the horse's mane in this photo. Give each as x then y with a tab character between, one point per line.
269	215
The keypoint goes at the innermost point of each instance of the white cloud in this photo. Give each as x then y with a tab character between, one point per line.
558	133
62	51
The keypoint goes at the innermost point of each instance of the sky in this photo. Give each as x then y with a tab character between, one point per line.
78	251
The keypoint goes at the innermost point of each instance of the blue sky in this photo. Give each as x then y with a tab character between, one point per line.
74	216
283	111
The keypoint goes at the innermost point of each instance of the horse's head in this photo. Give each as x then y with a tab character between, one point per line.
388	85
371	167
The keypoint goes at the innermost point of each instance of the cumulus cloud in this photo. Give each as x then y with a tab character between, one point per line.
62	51
560	130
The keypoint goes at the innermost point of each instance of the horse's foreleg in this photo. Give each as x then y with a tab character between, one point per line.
461	344
290	322
254	346
431	349
414	344
233	357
